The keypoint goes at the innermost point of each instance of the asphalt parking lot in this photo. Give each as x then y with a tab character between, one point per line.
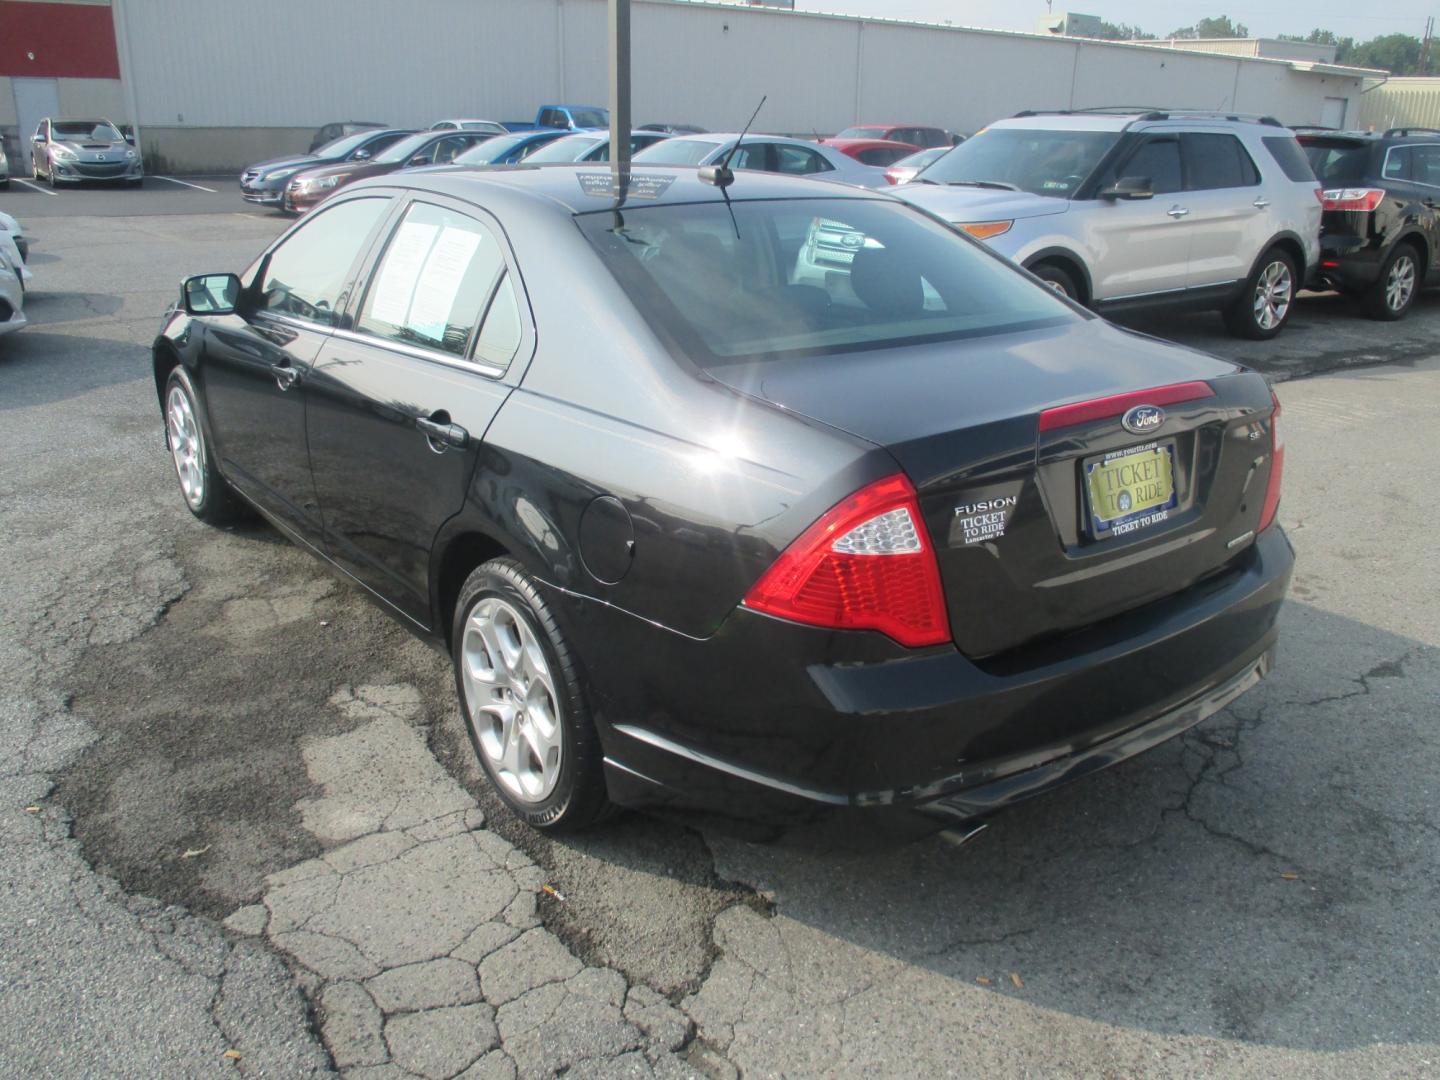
241	830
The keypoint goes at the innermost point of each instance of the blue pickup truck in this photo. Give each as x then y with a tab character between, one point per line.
566	117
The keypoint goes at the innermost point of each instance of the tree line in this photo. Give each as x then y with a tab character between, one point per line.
1399	54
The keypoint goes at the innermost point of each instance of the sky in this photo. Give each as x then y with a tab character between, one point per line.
1265	18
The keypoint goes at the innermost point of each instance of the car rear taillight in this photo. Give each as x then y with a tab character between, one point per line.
1365	199
891	176
1277	467
867	564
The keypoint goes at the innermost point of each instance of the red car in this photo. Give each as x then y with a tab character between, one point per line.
881	152
921	135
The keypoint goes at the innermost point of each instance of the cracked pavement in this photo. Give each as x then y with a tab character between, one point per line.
240	816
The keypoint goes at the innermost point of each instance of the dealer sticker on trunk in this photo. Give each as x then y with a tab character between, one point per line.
983	515
1131	489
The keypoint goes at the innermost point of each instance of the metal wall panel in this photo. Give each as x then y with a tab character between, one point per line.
286	64
1411	102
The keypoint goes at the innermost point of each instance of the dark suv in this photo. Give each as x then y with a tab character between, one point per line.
1381	227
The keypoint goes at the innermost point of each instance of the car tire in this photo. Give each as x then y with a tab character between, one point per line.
1393	293
1263	307
208	495
524	709
1058	279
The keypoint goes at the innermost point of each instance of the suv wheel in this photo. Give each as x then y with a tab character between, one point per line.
1263	308
524	710
1393	293
1058	279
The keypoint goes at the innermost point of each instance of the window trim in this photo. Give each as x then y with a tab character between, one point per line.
347	326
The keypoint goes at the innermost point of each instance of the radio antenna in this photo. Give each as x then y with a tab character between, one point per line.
720	175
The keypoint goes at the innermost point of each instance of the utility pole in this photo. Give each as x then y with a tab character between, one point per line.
1425	46
620	90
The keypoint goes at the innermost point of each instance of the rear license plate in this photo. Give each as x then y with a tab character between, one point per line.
1130	489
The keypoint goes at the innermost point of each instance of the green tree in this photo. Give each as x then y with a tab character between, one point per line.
1123	32
1398	54
1218	26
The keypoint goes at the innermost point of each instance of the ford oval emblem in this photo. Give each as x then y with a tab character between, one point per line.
1143	419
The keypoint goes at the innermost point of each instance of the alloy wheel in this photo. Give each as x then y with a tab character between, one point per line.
510	699
1400	283
186	446
1274	290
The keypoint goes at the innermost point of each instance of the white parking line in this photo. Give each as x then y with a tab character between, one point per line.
34	187
186	183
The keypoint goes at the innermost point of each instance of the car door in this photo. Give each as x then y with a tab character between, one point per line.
39	149
1140	246
403	393
1229	220
1425	176
257	360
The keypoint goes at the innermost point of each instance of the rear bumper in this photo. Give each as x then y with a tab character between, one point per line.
1357	261
768	719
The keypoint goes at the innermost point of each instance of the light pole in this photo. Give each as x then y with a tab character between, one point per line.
620	89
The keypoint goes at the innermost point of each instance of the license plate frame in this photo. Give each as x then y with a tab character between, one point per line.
1133	513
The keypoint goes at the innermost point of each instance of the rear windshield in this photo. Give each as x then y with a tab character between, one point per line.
678	152
810	277
1288	155
570	148
1337	162
1041	162
863	133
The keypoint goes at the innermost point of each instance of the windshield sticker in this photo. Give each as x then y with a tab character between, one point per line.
641	186
983	516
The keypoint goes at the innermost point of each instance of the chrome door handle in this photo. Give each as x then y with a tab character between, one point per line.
445	434
285	375
1177	212
1260	204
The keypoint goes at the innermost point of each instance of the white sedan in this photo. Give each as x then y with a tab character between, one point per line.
12	296
765	153
14	246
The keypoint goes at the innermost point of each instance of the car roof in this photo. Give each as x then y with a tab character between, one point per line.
870	144
559	186
932	127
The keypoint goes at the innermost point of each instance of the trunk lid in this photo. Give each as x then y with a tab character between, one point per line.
1006	503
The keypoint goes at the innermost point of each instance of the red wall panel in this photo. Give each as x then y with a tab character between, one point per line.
67	40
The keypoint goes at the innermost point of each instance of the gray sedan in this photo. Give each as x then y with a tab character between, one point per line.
766	153
68	151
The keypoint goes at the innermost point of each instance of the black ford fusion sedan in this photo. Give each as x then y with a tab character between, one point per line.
761	499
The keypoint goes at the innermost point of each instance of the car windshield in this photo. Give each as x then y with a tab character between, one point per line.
405	149
491	150
678	152
483	125
85	131
766	279
342	146
590	118
1041	162
863	133
1338	162
570	148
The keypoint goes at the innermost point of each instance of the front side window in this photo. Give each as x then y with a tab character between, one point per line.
1040	161
306	274
809	277
435	281
1216	161
1157	160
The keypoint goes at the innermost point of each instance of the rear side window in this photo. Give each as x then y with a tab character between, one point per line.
797	159
435	281
1397	163
1338	163
1425	169
1216	161
305	275
1288	155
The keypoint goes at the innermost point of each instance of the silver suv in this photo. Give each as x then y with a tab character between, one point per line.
1119	209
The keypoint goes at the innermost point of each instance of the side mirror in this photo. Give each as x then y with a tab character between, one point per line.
37	139
1129	187
210	294
130	139
419	159
360	155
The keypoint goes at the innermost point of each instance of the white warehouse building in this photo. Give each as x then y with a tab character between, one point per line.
212	85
